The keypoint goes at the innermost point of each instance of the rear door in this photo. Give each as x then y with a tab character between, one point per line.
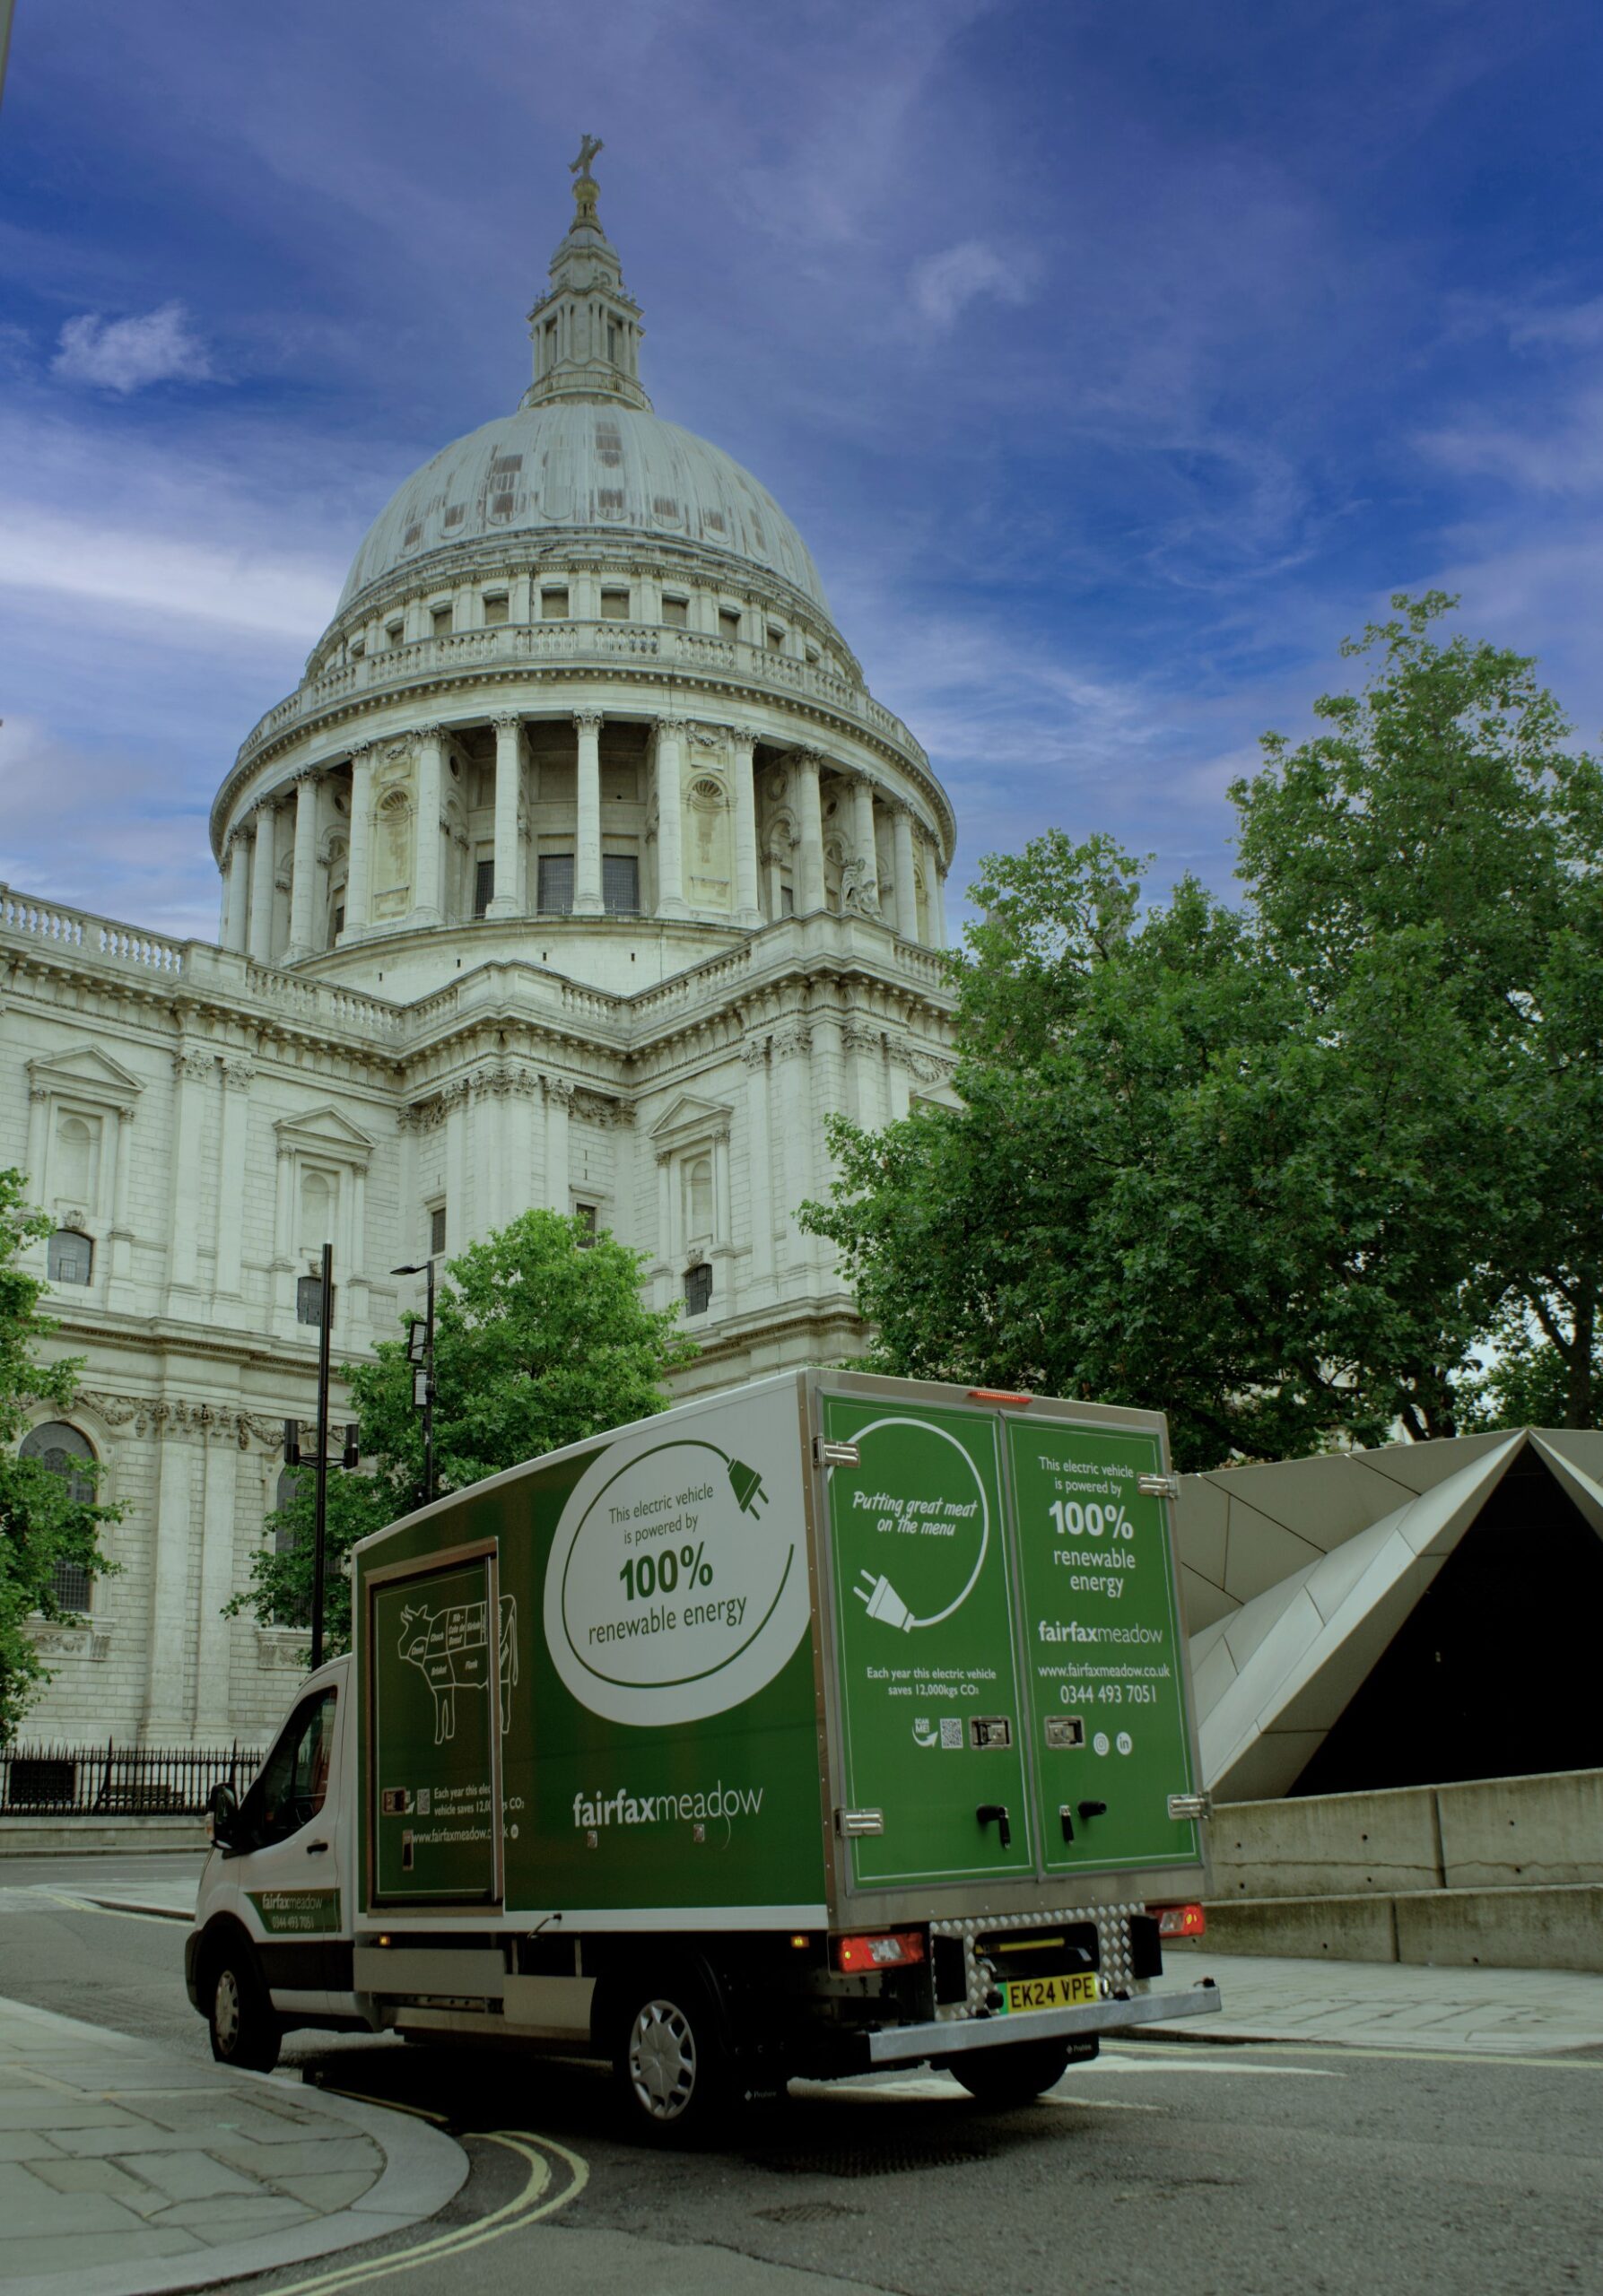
924	1601
439	1671
1103	1667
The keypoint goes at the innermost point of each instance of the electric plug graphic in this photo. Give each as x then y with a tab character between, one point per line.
746	1484
883	1601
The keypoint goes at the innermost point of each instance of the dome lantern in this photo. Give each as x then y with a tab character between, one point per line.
586	329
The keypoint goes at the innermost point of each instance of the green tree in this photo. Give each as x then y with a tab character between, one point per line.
1274	1170
540	1339
42	1524
1444	800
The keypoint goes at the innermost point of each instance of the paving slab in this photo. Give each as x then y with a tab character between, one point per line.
1395	2005
125	2171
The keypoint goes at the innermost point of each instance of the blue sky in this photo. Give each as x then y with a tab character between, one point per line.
1115	362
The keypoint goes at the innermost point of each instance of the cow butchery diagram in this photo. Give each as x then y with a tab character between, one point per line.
450	1649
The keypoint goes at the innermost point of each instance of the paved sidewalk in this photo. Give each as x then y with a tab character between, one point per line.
124	2169
1394	2004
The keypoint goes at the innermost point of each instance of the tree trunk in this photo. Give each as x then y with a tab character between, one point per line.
1578	1397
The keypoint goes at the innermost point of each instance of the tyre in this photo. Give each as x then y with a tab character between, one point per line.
1014	2074
671	2070
245	2031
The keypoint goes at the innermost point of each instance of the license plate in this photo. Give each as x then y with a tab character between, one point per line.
1051	1992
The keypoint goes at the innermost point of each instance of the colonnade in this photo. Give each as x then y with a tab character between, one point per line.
251	877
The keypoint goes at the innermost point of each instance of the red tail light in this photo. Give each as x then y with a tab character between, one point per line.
1180	1921
896	1949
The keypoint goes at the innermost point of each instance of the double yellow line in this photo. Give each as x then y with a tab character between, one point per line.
527	2207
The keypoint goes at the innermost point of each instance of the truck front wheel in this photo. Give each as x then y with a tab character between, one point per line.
670	2067
245	2031
1014	2074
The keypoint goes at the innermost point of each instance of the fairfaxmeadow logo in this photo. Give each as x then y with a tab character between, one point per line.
625	1809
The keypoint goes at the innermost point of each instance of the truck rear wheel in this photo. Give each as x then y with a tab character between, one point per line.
1014	2074
670	2067
244	2028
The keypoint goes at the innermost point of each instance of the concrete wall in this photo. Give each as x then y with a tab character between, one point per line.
1496	1833
1506	1873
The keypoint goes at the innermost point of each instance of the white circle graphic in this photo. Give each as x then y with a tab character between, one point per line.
1099	1745
677	1585
1124	1741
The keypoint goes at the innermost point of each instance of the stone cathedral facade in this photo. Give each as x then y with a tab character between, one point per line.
581	869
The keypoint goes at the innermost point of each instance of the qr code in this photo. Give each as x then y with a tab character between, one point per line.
952	1730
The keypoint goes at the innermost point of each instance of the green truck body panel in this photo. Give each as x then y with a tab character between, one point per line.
634	1683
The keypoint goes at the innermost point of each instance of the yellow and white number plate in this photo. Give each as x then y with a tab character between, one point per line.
1052	1992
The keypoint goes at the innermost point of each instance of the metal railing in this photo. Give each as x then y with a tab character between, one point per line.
110	1781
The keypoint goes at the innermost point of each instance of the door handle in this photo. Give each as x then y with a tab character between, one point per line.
996	1812
316	1849
1093	1810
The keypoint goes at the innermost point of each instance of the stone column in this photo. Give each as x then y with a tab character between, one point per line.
559	1099
809	827
459	1218
120	1295
907	889
33	1155
518	1181
747	910
216	1585
587	828
760	1178
358	872
191	1073
792	1044
236	1076
937	900
866	850
508	786
236	894
426	906
303	884
663	1287
670	821
261	872
166	1708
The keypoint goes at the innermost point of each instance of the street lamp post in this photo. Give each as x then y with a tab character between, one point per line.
422	1374
293	1456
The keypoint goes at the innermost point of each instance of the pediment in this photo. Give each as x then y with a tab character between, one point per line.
690	1118
89	1073
324	1131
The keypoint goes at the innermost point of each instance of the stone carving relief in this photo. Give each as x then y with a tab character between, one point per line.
172	1416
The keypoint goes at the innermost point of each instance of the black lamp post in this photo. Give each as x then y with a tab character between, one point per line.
419	1353
293	1456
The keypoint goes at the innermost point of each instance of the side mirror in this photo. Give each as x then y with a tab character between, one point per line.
222	1810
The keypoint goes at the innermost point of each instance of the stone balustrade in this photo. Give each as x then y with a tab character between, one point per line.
600	645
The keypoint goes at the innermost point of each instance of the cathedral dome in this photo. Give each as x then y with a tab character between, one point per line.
599	469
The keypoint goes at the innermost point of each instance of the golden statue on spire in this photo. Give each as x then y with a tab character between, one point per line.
584	187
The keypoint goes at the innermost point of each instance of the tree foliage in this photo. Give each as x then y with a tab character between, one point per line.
540	1340
1273	1168
41	1524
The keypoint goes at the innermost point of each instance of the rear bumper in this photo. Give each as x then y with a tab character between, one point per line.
918	2044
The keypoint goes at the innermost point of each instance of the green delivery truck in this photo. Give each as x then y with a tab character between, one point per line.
828	1723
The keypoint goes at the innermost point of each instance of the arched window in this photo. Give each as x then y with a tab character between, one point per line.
69	1257
74	1161
62	1448
317	1210
284	1541
698	1196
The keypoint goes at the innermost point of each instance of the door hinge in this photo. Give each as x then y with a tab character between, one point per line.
855	1823
1158	1486
826	1454
1191	1805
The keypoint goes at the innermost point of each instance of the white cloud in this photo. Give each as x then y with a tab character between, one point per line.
125	355
944	285
184	578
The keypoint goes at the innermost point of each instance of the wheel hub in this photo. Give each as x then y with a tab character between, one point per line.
225	2009
662	2060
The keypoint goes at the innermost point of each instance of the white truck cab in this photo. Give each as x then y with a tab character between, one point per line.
272	1937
